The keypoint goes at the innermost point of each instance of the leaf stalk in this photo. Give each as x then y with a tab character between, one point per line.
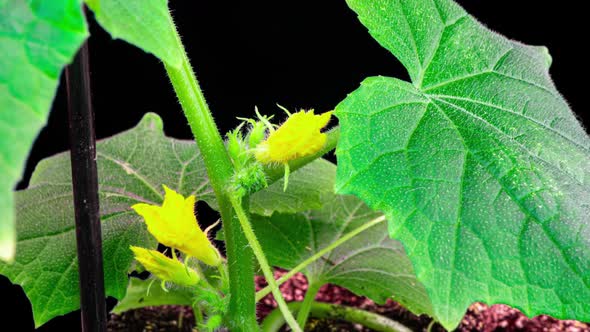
312	290
274	321
265	291
264	266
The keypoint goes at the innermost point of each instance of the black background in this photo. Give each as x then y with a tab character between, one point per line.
301	54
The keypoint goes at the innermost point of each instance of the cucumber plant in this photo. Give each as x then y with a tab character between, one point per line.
470	182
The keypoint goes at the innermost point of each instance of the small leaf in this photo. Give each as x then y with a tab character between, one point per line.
132	166
137	295
479	164
37	38
146	24
370	264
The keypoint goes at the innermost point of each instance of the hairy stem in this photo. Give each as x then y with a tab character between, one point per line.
265	291
242	307
266	269
274	320
312	291
199	320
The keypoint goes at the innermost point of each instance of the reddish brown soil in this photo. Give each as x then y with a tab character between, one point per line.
479	317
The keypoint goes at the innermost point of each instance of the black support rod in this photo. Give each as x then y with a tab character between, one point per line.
85	184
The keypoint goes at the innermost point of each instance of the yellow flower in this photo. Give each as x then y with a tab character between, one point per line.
174	224
165	268
299	136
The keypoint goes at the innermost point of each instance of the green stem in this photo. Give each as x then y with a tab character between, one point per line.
199	320
274	321
266	269
181	319
430	325
242	307
265	291
312	290
222	268
203	280
241	315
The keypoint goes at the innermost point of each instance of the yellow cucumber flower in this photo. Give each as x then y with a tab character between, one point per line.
174	224
299	136
167	269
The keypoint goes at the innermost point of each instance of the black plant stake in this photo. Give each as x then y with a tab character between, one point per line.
85	184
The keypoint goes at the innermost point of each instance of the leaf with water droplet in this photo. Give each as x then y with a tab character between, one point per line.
479	164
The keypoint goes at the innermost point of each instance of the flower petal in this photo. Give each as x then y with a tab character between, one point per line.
299	136
175	225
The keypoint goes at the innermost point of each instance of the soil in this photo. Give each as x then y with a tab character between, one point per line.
153	319
479	317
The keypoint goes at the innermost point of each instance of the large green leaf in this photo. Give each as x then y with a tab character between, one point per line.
132	166
479	164
137	295
146	24
369	264
37	38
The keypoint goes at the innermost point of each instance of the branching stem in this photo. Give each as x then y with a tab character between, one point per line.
242	307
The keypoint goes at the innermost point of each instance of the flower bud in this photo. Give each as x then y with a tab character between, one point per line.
165	268
257	134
